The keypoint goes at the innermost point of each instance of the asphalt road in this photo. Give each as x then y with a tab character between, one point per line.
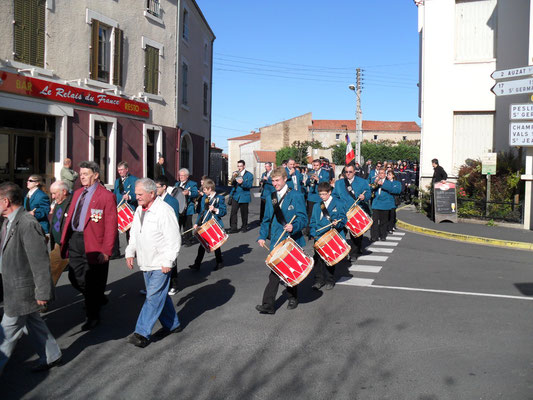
434	319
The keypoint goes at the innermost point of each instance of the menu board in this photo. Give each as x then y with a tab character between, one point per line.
445	202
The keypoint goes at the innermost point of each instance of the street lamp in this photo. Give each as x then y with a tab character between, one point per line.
358	117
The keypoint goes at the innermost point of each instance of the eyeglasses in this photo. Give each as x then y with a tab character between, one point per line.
350	172
30	180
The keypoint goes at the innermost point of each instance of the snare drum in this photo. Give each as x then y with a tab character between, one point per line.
358	220
211	235
124	217
332	247
289	262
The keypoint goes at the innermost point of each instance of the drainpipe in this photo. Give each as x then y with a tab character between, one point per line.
176	88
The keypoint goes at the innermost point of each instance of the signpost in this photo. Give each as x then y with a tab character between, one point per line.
512	73
488	167
508	88
521	111
445	204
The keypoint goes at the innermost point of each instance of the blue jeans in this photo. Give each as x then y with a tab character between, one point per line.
157	304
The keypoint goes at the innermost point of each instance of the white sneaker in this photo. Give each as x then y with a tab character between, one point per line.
143	292
172	292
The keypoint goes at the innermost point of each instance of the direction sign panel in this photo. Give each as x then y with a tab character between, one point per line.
512	73
521	134
521	111
508	88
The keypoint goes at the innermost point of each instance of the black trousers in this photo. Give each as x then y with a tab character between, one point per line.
324	273
310	205
262	210
186	223
174	275
271	290
233	216
380	225
89	279
392	219
201	253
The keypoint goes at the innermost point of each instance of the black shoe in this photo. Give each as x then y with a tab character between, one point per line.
244	229
194	266
232	231
46	367
329	286
390	232
138	340
293	303
90	324
218	266
317	286
164	332
187	244
265	309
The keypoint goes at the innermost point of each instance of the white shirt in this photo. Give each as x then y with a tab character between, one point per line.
157	242
326	203
282	192
32	191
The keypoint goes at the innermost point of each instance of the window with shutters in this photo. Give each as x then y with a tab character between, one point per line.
185	32
206	96
29	31
184	83
151	70
106	53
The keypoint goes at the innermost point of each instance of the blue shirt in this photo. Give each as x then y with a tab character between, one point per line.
85	208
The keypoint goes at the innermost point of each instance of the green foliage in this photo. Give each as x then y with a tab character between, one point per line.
338	153
298	151
383	151
491	223
285	153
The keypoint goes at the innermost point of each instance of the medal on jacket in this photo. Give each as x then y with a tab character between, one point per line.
96	215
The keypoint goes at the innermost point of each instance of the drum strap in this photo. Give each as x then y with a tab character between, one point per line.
349	188
325	211
277	207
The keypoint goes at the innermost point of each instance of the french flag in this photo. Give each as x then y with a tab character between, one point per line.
350	153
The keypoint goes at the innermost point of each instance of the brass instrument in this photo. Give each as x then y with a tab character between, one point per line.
234	177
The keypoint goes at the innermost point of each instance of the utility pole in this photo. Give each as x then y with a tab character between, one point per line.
359	118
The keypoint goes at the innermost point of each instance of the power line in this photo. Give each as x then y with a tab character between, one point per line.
283	63
281	76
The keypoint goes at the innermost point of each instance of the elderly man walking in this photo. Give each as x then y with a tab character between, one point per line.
27	282
155	240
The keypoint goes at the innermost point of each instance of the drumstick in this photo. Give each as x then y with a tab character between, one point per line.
357	201
324	227
280	236
187	231
118	205
207	211
265	246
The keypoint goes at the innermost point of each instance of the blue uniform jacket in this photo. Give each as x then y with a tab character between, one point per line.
359	186
299	179
312	186
241	191
384	199
268	189
218	202
129	185
41	203
193	189
174	203
372	176
336	211
293	204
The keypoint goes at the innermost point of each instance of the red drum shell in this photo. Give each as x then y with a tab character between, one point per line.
332	247
211	235
358	220
124	217
289	262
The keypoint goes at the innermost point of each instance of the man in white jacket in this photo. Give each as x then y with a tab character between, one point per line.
155	239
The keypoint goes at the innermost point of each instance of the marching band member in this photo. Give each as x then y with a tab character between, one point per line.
284	205
317	176
37	202
124	190
349	190
211	206
240	194
327	211
383	202
294	177
190	191
266	188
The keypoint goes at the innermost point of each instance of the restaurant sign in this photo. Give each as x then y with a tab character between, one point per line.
28	86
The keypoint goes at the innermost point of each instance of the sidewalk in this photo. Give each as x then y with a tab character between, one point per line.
410	219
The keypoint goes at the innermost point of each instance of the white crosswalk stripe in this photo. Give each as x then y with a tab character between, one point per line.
380	250
355	281
394	238
398	233
373	258
392	244
365	268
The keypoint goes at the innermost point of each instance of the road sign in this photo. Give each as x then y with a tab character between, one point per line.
508	88
521	134
512	73
521	111
488	163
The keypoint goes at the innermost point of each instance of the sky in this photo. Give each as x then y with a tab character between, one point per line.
278	59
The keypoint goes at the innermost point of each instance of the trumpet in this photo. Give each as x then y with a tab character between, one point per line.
235	178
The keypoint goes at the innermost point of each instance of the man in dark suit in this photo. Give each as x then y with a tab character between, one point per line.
36	202
62	198
27	282
88	238
241	198
160	168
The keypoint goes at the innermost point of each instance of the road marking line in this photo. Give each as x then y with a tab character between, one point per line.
373	258
345	280
393	244
257	194
394	238
365	268
380	250
398	234
500	296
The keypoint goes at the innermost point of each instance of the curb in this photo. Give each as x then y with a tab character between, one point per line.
465	238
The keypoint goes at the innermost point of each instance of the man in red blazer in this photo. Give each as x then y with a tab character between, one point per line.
87	240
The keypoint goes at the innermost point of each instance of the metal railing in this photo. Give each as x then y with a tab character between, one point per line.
154	7
497	210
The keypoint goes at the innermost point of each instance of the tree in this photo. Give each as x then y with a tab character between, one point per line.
285	153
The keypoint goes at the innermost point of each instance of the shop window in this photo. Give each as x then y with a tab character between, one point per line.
151	70
101	147
29	31
106	46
